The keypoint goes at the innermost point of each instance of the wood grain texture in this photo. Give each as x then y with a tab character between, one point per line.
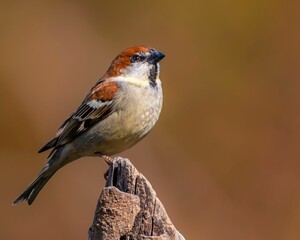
128	208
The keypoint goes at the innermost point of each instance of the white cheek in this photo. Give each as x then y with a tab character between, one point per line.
138	70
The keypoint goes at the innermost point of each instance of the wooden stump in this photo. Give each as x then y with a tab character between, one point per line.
129	209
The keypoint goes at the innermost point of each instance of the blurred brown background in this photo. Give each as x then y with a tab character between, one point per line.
224	157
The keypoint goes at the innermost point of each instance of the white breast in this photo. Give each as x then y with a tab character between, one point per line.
137	109
141	106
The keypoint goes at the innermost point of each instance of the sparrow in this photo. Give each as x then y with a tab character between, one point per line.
118	112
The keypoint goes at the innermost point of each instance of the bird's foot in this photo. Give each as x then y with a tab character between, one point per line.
106	158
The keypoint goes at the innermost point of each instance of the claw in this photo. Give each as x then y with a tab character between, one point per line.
107	159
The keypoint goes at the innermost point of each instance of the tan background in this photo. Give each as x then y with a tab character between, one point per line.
224	157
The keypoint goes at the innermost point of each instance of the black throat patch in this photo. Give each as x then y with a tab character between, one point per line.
153	75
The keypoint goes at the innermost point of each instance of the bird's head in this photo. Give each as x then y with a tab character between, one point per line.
139	62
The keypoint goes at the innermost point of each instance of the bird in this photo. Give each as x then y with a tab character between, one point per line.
119	110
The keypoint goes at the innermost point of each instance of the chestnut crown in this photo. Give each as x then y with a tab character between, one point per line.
135	60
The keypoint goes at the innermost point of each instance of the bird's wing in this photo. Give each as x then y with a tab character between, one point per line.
96	106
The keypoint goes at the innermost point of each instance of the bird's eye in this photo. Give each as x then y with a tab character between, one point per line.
136	58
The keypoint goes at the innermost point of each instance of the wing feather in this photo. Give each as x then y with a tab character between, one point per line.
98	104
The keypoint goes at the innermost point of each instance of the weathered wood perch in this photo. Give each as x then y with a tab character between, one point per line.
129	209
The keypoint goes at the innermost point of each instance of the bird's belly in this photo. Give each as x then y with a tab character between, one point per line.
123	130
127	125
116	133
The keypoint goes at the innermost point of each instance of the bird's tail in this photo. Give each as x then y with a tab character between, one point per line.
57	159
35	187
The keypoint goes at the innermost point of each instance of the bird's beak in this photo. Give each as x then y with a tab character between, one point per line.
155	57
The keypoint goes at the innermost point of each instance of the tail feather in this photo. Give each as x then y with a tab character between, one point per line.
56	161
33	189
50	144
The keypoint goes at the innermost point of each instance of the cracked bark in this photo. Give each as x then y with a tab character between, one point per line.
129	209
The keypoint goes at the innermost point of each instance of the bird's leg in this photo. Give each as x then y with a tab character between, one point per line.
106	158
